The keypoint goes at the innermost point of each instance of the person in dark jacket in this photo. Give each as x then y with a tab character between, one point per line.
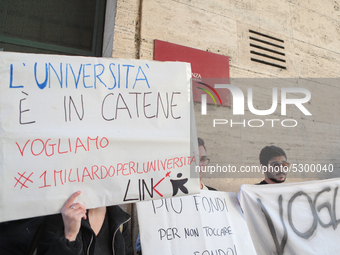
19	237
77	231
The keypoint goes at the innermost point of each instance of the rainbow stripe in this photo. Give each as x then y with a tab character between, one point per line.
212	89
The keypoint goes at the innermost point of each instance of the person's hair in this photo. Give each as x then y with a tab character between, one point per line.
269	152
200	142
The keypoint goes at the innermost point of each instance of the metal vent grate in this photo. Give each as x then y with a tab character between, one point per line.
266	49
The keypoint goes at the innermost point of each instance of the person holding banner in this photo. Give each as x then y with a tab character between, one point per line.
102	230
20	236
274	165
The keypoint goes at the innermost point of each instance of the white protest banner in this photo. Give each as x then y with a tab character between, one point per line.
118	130
209	223
293	218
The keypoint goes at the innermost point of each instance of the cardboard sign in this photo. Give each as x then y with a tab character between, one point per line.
118	130
296	218
209	223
